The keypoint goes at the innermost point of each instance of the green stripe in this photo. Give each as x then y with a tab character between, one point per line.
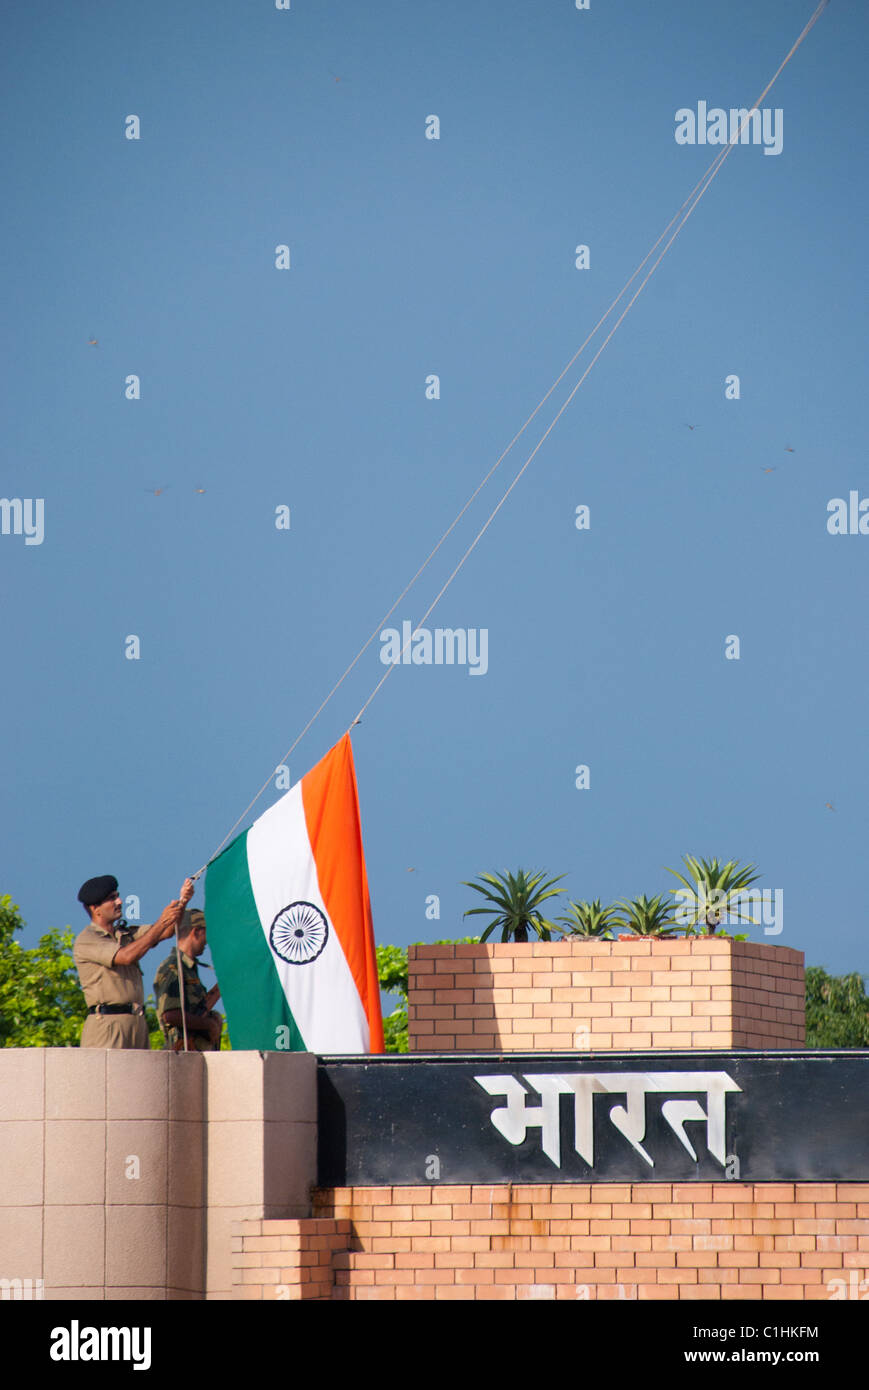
257	1012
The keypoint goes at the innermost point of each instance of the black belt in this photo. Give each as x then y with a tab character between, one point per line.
116	1009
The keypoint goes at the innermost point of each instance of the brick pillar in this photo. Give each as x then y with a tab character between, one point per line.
591	995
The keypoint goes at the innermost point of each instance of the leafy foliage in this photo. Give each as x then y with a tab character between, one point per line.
837	1009
713	888
647	916
589	919
392	974
41	1003
392	969
515	904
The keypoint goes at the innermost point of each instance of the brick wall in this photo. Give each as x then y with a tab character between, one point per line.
286	1259
701	992
773	1241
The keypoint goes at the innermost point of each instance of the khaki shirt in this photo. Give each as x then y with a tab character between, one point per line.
105	983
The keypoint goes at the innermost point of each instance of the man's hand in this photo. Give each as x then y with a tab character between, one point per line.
157	932
169	919
187	891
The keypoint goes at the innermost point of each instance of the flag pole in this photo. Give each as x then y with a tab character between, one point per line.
181	977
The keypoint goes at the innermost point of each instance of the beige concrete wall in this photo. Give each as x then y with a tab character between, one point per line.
261	1145
121	1172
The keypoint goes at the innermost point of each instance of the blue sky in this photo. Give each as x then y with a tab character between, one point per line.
306	388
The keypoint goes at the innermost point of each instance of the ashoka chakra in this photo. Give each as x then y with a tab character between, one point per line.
299	933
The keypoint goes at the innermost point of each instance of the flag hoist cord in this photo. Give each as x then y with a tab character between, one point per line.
677	222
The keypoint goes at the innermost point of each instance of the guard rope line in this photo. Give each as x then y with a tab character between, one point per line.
690	204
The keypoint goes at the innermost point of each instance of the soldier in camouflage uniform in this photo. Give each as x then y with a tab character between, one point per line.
203	1024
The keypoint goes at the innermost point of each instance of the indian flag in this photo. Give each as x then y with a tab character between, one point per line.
289	922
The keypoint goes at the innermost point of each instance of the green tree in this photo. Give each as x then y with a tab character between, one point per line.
837	1009
41	1003
392	974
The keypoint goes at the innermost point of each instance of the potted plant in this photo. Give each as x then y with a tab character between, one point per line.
646	917
589	919
713	888
515	901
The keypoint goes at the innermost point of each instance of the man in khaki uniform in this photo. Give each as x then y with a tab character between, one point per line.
107	955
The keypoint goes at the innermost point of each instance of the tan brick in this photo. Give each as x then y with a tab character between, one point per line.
779	1259
494	1259
656	1259
853	1191
783	1292
754	1242
774	1192
596	1243
469	1243
650	1228
475	1276
830	1243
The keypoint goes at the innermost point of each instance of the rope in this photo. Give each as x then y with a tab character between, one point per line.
689	203
181	984
705	181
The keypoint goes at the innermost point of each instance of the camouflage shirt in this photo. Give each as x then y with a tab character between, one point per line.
168	998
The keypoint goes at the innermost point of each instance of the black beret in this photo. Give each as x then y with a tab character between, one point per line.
96	890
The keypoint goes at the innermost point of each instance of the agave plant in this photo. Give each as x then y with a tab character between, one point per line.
711	889
588	919
515	902
647	916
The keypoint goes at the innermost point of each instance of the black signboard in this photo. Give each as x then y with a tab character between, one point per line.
624	1117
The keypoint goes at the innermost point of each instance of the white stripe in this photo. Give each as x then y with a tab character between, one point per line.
322	994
